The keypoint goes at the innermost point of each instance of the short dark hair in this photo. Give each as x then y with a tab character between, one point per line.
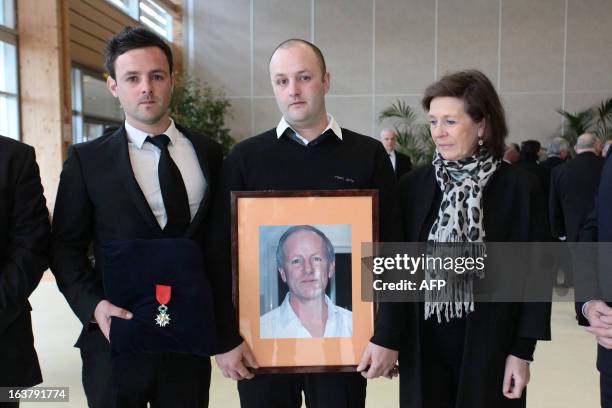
480	100
292	41
130	38
280	251
530	150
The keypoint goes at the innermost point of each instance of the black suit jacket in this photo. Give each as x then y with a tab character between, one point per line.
24	230
98	200
572	194
542	173
592	271
552	162
402	164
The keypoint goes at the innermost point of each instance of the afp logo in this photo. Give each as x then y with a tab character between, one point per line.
432	284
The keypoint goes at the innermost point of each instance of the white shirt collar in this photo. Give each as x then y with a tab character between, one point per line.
392	154
288	314
331	124
138	137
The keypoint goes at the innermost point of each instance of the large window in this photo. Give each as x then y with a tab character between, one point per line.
94	109
149	12
7	13
156	17
9	90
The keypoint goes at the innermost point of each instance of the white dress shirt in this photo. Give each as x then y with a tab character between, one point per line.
331	124
282	322
144	157
392	157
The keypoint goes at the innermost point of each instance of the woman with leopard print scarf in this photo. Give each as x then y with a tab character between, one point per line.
457	352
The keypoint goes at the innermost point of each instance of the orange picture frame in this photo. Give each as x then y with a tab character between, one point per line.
252	212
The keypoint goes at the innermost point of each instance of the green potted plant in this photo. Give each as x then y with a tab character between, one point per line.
596	119
201	109
603	120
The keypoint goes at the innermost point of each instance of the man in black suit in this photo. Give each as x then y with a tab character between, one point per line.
24	233
512	154
401	163
573	188
150	179
530	150
558	152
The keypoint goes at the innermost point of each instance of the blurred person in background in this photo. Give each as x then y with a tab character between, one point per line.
401	163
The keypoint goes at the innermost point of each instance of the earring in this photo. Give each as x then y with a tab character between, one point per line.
480	141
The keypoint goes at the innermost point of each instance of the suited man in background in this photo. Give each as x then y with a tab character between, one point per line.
24	233
606	148
573	188
150	179
558	152
401	163
512	154
529	157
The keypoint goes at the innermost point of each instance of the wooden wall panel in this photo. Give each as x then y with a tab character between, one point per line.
92	23
81	55
41	79
85	39
109	10
93	27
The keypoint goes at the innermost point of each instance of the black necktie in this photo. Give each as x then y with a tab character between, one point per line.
173	189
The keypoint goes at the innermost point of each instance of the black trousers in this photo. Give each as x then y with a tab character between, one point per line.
443	355
321	390
604	365
605	390
169	380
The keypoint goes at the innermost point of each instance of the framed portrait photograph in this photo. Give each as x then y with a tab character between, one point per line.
297	276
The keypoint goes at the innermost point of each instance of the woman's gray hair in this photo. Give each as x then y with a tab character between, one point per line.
280	252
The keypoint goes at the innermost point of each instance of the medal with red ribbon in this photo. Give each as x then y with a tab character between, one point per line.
163	294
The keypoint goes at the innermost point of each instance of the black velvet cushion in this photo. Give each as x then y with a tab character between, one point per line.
132	268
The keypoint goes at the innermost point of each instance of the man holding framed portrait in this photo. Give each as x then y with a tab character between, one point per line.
307	150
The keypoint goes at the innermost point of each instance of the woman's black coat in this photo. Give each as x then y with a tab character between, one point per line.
513	212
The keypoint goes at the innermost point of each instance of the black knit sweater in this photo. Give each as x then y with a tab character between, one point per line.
265	162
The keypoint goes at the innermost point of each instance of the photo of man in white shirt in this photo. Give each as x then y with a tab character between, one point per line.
306	261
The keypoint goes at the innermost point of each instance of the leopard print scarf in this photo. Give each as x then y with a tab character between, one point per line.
459	220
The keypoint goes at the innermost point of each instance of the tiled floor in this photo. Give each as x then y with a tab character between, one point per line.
563	374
